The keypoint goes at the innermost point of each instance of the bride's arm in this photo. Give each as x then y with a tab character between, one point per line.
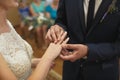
5	72
35	62
45	63
51	53
41	70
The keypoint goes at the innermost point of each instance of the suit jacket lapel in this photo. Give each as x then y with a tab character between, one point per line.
82	16
100	13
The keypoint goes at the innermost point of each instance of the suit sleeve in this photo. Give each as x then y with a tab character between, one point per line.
61	15
104	51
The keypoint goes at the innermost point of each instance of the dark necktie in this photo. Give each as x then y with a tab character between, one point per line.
90	14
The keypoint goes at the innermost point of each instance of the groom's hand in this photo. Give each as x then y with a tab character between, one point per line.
77	51
54	33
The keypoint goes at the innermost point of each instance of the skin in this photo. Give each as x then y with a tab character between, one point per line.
42	65
78	50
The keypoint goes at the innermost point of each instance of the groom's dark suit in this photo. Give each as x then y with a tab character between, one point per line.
102	39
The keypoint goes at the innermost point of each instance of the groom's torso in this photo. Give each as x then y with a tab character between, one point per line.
103	29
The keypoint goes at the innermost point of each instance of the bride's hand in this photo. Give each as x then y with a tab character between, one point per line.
54	49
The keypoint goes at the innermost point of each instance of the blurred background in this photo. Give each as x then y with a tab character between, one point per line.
31	20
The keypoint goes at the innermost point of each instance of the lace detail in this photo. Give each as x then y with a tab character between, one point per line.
17	53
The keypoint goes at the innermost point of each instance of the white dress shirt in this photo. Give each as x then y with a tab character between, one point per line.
86	4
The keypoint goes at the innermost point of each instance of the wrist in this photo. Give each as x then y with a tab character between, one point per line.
52	52
45	60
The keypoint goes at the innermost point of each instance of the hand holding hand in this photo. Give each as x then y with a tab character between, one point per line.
54	33
59	38
78	51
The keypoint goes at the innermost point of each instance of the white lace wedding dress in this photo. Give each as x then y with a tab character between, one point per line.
16	52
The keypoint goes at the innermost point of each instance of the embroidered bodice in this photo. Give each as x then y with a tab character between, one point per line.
16	52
